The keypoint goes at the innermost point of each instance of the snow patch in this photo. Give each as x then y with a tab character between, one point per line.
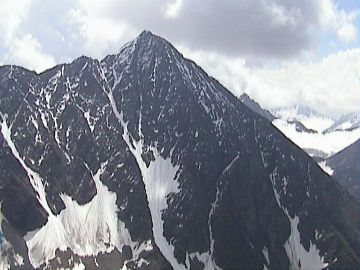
88	120
207	257
43	119
34	177
19	260
299	257
326	168
35	124
87	229
228	167
266	255
159	178
79	266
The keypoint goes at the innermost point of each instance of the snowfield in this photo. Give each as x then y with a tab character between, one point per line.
329	143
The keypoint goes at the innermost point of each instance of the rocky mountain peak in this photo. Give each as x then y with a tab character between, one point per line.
143	161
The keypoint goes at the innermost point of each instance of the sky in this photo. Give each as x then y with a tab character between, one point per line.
280	52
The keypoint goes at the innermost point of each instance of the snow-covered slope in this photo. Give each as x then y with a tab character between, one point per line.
325	143
311	119
348	122
322	135
143	161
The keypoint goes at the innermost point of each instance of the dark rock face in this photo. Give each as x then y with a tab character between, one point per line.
255	107
346	166
199	180
300	127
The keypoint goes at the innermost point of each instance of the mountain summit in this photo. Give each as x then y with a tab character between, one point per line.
143	161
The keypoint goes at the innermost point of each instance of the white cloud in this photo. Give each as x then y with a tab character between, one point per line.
18	48
343	23
225	37
346	29
27	52
281	16
261	28
101	34
12	13
172	9
273	29
347	32
330	85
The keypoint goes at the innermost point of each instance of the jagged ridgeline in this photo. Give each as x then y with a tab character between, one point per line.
143	161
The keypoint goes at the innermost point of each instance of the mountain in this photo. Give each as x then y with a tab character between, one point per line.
143	161
347	122
288	122
320	136
255	107
310	118
344	165
346	168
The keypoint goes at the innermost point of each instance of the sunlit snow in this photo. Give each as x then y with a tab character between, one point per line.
328	143
311	120
86	229
159	178
299	257
326	168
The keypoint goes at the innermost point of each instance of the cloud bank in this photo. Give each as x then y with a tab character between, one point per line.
299	51
262	28
330	85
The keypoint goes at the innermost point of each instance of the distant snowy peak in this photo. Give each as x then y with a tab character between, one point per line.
296	110
290	121
319	135
317	144
310	118
307	111
347	122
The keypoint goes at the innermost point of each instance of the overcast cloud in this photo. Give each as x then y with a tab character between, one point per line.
262	28
300	51
331	85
